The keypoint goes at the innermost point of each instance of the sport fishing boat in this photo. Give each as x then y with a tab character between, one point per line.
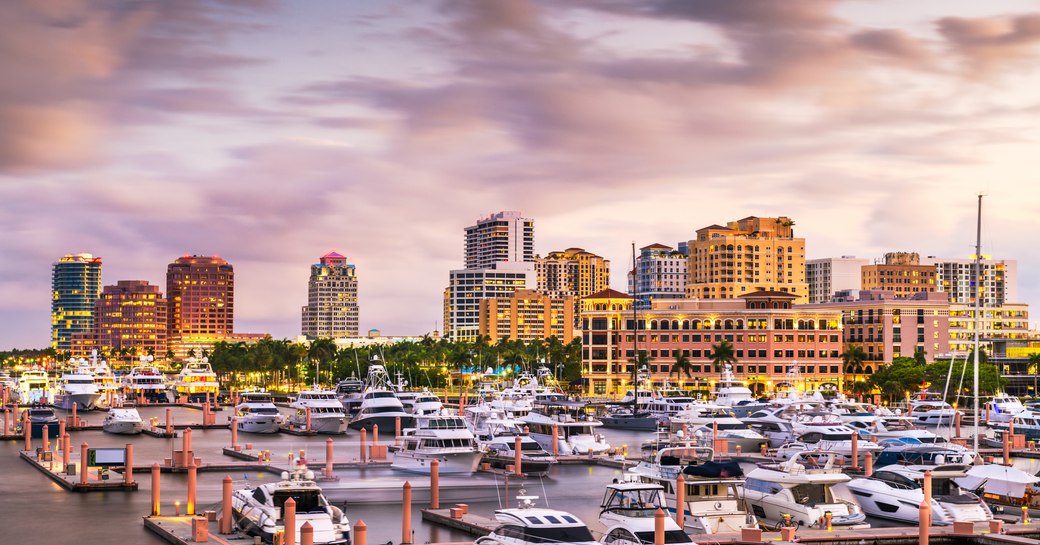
803	488
145	383
896	492
435	437
195	381
576	429
123	422
76	387
257	413
34	386
627	511
260	510
530	525
379	404
325	410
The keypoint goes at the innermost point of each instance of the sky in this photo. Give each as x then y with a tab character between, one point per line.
270	133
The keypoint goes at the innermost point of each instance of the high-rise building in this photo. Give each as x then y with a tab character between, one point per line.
499	260
527	315
200	291
828	275
954	276
502	236
901	273
75	286
660	273
572	273
130	320
332	299
747	255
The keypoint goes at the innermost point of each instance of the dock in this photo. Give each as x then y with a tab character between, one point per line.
180	530
474	525
73	482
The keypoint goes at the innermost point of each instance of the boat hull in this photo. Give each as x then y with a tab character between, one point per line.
123	428
530	466
640	423
455	463
325	425
83	402
36	429
386	423
264	424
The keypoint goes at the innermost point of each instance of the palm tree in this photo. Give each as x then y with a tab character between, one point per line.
681	365
321	351
721	354
853	357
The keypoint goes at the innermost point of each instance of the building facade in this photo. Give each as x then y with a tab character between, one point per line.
467	287
572	272
75	286
954	276
831	274
901	273
200	291
130	321
502	236
332	299
745	256
660	273
1008	323
527	315
770	335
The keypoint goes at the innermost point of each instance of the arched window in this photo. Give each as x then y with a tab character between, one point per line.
653	324
728	324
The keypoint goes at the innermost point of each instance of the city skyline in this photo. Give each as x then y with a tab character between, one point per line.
269	134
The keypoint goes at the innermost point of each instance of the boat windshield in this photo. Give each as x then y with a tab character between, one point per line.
264	410
811	494
670	536
307	501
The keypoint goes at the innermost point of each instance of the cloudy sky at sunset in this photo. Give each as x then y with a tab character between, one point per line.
270	133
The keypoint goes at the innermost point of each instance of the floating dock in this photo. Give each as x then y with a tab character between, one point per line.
73	482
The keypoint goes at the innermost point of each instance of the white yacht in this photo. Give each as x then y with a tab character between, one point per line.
1026	423
34	386
576	428
326	412
379	404
932	412
1002	407
106	382
145	382
195	380
628	510
426	403
730	391
880	428
123	422
257	413
259	511
76	387
496	432
529	525
349	392
896	491
701	421
831	438
713	504
444	438
11	386
804	488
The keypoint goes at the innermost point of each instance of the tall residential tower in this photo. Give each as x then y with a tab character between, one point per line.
75	286
332	299
201	295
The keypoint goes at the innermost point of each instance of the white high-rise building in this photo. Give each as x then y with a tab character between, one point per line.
831	274
499	260
660	273
332	299
954	276
502	236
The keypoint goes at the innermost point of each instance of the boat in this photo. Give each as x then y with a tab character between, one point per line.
1000	485
627	512
34	386
106	382
633	410
324	409
349	392
497	433
931	412
257	413
10	386
259	510
713	503
123	422
437	437
1025	423
421	403
909	451
896	492
530	525
879	428
575	428
145	383
705	421
196	382
1002	407
836	438
40	416
730	391
379	404
804	489
76	387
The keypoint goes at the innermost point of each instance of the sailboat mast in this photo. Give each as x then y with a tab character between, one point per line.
978	320
635	333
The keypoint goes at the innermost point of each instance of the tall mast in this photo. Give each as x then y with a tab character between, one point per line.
635	332
977	321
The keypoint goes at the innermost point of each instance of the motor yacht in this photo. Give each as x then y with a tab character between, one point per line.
576	429
775	422
713	503
40	416
704	421
908	451
350	391
34	386
259	511
730	391
10	386
496	432
257	413
107	384
422	403
436	437
325	410
1026	423
379	404
76	387
831	438
627	512
1002	407
931	412
879	428
145	383
195	381
530	525
803	488
123	422
896	492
